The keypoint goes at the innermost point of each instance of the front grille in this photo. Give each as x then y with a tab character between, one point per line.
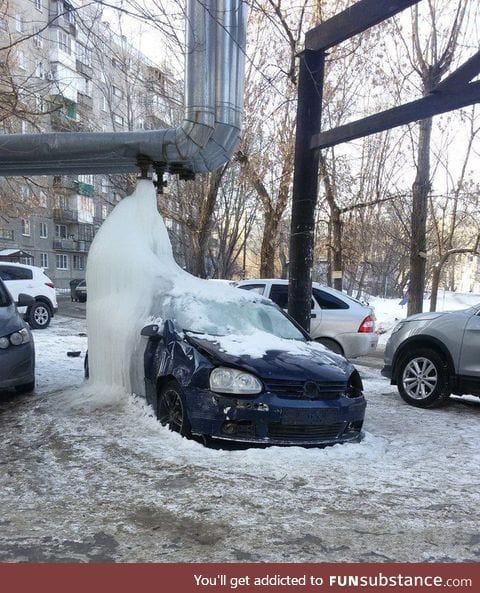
296	389
304	431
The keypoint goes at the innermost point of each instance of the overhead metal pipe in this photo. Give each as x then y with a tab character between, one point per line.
216	34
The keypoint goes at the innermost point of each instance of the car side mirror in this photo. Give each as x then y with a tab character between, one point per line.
152	331
24	300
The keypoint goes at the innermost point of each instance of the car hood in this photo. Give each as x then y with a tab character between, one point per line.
10	320
311	362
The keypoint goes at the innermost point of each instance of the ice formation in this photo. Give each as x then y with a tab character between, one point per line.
132	279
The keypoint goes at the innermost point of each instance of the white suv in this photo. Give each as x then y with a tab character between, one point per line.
339	321
20	278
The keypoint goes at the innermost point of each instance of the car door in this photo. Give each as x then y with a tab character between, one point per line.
17	280
469	363
279	295
331	315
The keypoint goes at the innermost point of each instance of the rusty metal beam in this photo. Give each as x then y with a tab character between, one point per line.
359	17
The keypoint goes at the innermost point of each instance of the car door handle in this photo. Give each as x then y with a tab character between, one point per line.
313	315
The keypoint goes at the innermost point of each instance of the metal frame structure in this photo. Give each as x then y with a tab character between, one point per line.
453	92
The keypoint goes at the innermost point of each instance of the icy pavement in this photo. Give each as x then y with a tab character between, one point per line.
87	484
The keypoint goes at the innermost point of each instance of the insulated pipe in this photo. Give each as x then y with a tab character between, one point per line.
203	142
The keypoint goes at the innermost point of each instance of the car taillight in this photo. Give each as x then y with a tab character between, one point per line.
367	326
50	284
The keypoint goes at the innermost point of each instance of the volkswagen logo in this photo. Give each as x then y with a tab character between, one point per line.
310	390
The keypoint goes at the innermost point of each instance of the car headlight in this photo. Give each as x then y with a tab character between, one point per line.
227	380
15	339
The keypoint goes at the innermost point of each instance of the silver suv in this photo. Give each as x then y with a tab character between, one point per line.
31	280
430	356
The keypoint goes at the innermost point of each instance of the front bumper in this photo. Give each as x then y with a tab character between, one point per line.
276	420
17	365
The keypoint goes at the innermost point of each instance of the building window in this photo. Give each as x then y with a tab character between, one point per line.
78	262
104	212
18	18
42	199
43	230
38	4
90	179
44	260
24	127
104	185
104	103
39	72
25	227
28	261
6	234
61	261
117	92
118	119
64	42
60	231
61	201
22	62
37	38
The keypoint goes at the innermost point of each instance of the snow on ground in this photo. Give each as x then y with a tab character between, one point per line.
86	481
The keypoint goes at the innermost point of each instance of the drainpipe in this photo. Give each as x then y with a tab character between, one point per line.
204	140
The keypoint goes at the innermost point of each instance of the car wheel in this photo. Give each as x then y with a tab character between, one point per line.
39	315
423	379
171	409
25	388
331	345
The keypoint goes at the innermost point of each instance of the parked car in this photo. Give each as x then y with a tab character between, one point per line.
244	371
339	322
31	280
81	291
430	356
17	354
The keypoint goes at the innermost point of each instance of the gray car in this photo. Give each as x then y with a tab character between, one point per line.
430	356
339	322
17	354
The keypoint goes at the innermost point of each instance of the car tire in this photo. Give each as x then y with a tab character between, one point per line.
331	345
25	388
423	378
39	315
171	409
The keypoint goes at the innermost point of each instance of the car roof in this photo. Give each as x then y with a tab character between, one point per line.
18	265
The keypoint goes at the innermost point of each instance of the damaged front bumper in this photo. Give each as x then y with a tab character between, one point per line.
271	419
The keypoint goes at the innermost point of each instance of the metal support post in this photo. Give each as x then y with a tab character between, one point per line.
305	186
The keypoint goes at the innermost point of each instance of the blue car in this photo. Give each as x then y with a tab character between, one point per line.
244	371
17	353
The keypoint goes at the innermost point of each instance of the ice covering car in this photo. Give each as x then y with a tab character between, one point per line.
430	356
17	355
243	371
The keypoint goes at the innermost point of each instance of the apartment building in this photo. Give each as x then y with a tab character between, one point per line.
64	68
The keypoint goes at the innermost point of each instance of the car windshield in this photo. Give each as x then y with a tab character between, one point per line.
242	317
5	299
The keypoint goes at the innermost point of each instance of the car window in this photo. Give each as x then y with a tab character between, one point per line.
253	287
199	315
279	295
13	273
5	299
327	300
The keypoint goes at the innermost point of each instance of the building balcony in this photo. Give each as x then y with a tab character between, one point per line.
71	245
65	215
85	101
